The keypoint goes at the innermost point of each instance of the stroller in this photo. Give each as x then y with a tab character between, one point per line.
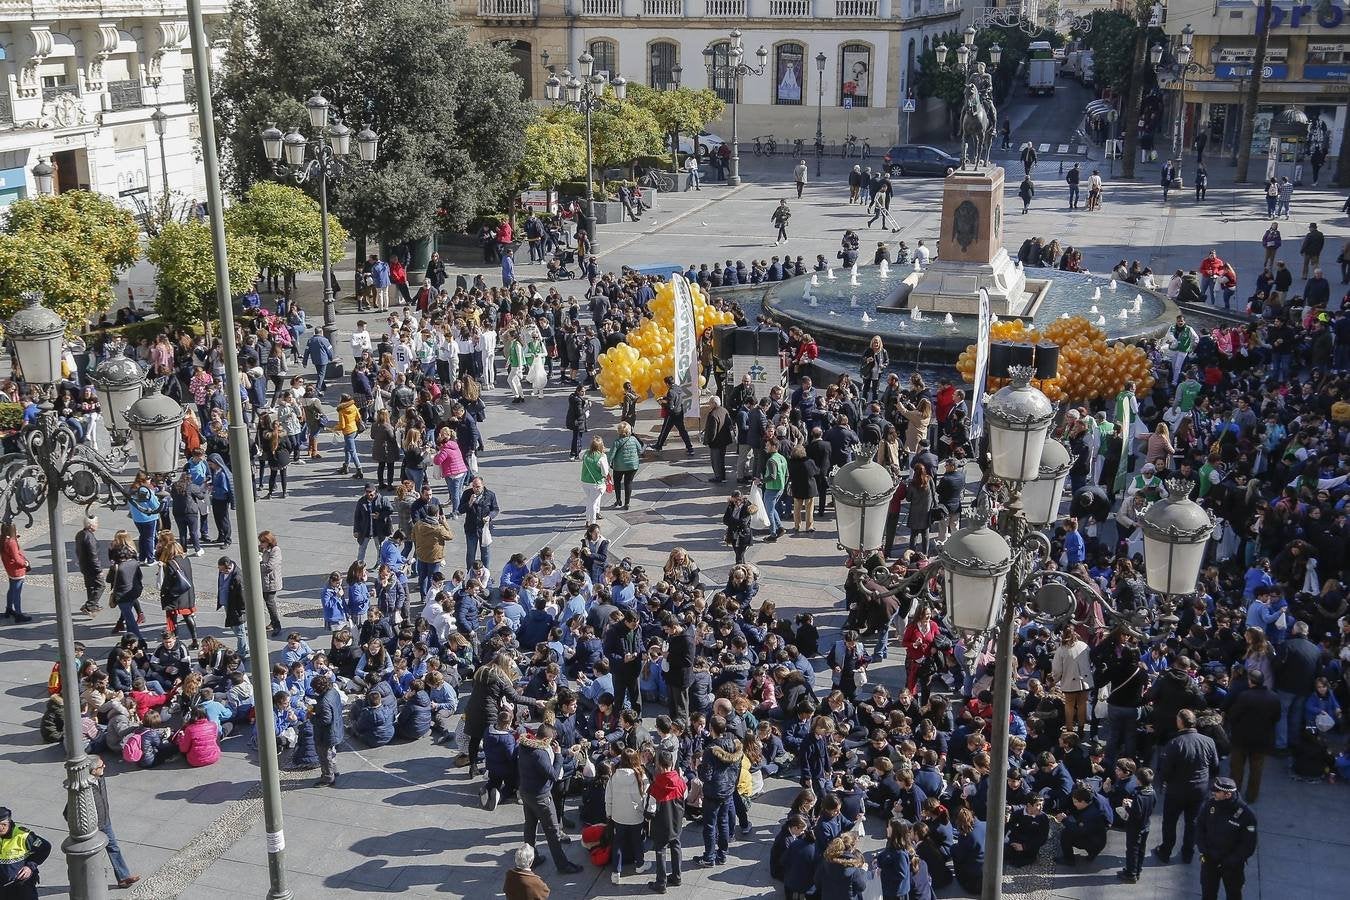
557	266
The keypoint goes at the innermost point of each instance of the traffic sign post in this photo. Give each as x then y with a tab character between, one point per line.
848	116
907	106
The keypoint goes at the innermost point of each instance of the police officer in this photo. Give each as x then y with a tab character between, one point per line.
1226	837
21	852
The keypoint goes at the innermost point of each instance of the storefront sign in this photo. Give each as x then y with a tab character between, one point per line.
1231	72
1327	15
13	178
1338	72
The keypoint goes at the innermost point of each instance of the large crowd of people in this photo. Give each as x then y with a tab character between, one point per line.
645	708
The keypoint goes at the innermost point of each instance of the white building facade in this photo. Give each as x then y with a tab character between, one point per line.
81	82
872	50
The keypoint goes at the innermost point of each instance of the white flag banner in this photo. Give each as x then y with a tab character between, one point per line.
686	343
981	368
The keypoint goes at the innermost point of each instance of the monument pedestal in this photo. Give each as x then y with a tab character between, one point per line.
971	256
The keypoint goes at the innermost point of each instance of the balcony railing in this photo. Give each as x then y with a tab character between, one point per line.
508	9
51	91
125	95
856	9
669	9
724	8
793	9
6	106
190	86
610	8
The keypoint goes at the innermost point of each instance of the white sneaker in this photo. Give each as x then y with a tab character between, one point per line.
642	869
616	878
200	552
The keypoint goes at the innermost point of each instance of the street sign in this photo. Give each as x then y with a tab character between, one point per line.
848	103
908	106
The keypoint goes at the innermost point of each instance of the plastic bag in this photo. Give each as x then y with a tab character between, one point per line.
760	517
538	374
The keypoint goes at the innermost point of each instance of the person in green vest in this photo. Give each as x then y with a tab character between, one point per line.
1187	391
594	475
1147	484
1210	474
536	363
515	367
1106	431
774	481
21	852
1180	339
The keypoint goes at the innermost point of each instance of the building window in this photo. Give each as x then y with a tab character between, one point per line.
606	55
663	60
722	81
788	74
855	74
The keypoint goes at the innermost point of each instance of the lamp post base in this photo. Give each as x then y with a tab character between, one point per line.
588	224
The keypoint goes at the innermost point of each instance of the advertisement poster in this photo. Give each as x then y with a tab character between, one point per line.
686	343
788	74
857	74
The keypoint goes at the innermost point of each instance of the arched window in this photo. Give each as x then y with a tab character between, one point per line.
664	57
855	74
522	63
722	81
606	55
789	74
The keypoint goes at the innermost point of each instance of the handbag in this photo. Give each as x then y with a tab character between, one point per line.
609	483
860	677
760	517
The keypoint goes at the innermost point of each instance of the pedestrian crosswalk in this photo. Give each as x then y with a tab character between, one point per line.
1076	149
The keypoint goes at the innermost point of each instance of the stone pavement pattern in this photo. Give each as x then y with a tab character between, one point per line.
403	821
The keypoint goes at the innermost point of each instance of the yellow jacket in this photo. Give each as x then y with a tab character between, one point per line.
349	417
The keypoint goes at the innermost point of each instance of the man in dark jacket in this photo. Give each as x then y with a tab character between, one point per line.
717	437
1311	248
372	520
479	507
578	417
230	596
623	649
1084	827
680	664
819	451
950	487
1296	665
1186	766
1226	836
719	768
1172	692
541	763
1252	717
328	731
91	568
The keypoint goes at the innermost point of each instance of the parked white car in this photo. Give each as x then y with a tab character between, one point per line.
707	143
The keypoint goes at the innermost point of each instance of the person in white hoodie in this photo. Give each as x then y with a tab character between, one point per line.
360	340
625	805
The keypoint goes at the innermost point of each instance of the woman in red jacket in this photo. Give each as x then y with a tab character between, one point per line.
399	276
16	567
918	642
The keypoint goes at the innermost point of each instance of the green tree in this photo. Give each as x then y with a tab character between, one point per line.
71	247
621	132
678	111
448	110
554	153
1111	40
286	224
187	270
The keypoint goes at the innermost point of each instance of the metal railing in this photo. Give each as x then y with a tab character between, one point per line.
611	8
796	9
125	95
508	9
723	9
856	9
6	106
670	9
190	86
51	91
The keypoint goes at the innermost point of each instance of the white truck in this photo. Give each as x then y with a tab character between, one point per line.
1041	66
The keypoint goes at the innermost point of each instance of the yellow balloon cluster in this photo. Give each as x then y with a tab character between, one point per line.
1089	368
648	355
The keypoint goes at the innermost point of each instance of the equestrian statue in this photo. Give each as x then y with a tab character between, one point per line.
979	119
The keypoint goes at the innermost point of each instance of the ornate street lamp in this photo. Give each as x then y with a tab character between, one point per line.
862	492
585	94
42	176
156	425
1041	496
1176	531
37	333
736	70
119	382
975	563
820	110
1018	418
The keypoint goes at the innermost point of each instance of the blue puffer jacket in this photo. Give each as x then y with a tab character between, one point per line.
375	724
499	752
414	720
538	767
721	766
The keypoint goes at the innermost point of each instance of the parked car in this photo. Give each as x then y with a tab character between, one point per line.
707	142
918	159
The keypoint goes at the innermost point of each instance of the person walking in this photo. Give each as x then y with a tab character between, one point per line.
1094	201
691	168
1226	837
328	729
1201	181
1311	248
373	520
780	217
1166	176
177	595
773	482
540	760
1186	765
1272	197
1252	719
230	597
1284	192
801	473
624	458
1297	662
1026	190
478	506
1028	157
1270	242
674	405
1073	177
318	352
349	425
595	477
126	582
799	176
718	435
103	810
578	417
22	851
89	558
515	366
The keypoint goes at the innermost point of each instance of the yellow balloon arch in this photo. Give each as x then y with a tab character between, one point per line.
648	355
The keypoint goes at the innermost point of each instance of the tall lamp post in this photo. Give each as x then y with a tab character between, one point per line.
585	94
328	151
820	110
245	515
989	573
735	68
52	463
1180	69
160	120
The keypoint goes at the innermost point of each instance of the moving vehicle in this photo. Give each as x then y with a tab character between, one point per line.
1041	69
1087	71
918	159
707	142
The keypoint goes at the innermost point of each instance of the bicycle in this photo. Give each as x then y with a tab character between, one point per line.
655	178
797	147
768	147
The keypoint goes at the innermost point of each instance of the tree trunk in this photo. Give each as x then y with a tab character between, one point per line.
1134	96
1343	160
675	147
1253	98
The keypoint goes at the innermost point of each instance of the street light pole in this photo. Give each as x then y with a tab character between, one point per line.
585	94
736	70
249	562
160	120
820	110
